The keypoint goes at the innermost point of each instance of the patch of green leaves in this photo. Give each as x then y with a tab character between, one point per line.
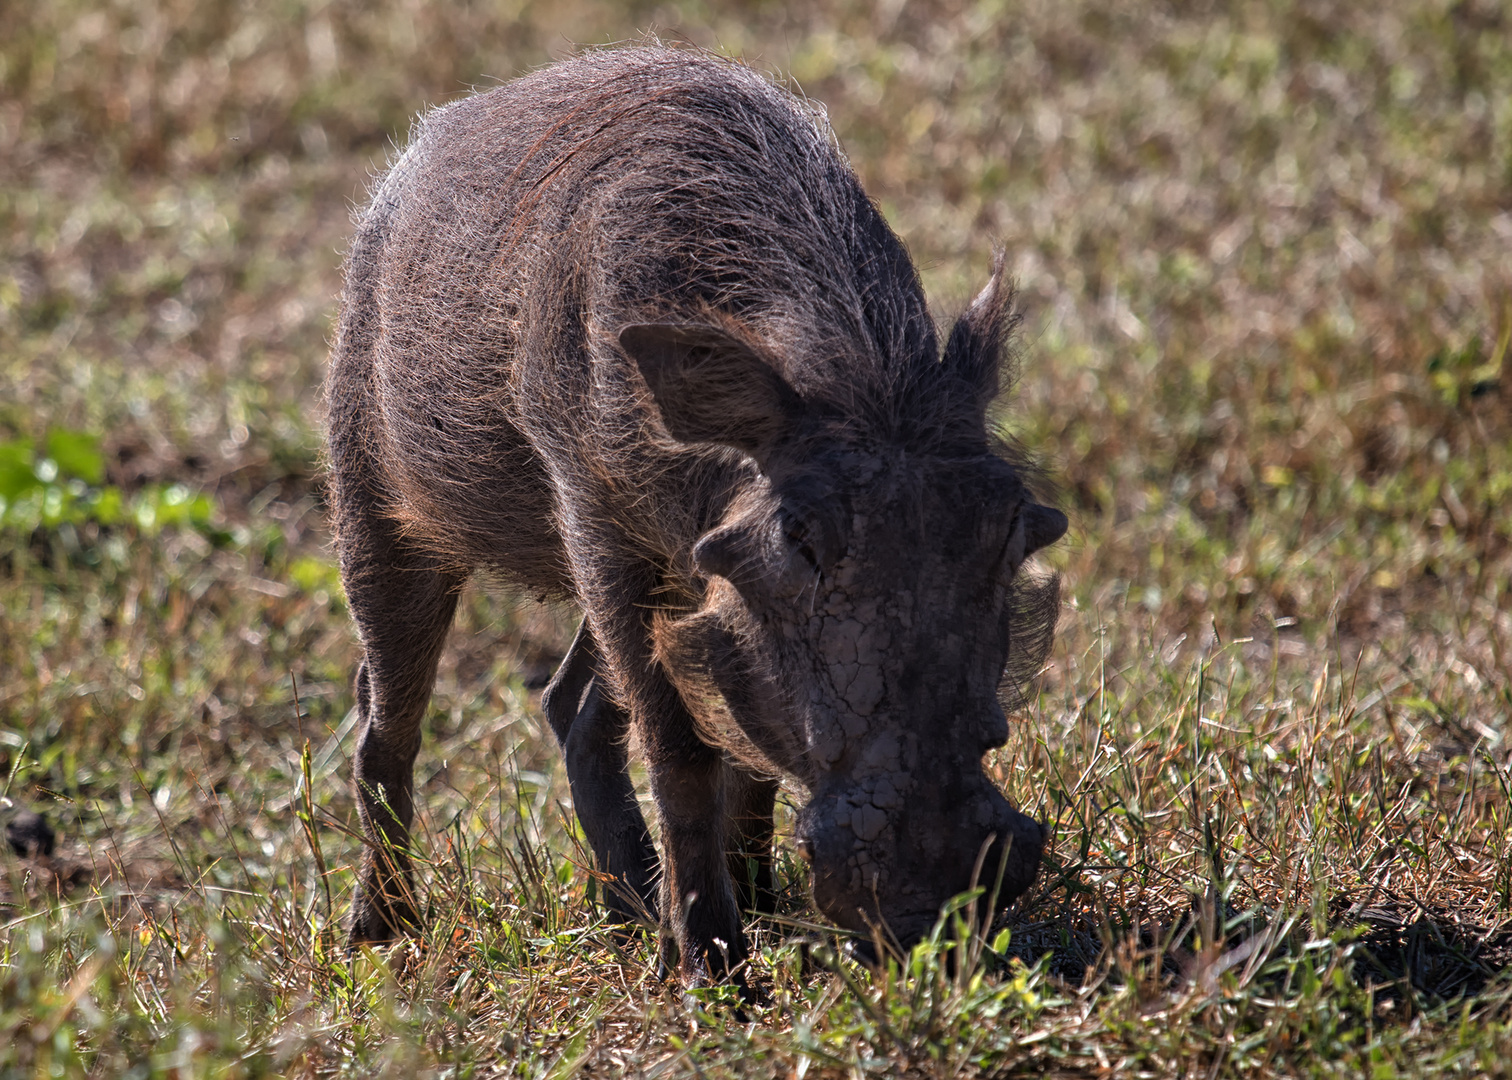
61	482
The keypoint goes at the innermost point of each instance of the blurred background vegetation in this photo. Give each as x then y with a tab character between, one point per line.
1266	258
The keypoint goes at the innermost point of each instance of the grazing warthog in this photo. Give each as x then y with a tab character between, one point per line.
628	332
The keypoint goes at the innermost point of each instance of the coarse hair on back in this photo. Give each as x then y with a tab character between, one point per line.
706	186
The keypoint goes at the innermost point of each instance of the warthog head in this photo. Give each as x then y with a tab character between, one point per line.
862	604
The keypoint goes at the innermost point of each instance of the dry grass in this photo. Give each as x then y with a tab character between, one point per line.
1265	250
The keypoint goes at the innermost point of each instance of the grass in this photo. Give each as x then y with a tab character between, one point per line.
1263	250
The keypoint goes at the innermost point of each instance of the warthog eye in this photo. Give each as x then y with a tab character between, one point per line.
796	533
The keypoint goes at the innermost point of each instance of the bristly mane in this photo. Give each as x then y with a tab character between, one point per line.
754	212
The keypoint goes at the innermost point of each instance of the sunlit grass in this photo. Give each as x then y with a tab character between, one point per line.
1263	255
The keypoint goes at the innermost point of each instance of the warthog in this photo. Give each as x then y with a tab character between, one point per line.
627	331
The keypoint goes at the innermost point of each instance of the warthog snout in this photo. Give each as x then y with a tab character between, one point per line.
890	868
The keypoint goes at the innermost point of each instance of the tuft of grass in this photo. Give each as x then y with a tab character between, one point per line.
1262	252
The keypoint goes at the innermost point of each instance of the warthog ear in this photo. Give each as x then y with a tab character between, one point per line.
1036	527
974	353
711	388
1043	526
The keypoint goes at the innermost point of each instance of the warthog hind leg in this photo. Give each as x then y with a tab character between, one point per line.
403	608
591	730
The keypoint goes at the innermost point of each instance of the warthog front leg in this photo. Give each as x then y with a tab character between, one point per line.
700	911
591	730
